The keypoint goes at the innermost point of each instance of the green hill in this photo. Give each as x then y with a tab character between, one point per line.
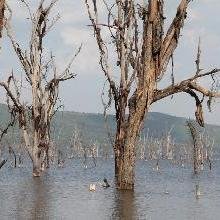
93	126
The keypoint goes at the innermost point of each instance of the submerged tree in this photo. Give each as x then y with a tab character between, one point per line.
196	142
143	50
43	80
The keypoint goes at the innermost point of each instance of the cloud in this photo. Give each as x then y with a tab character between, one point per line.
76	36
89	56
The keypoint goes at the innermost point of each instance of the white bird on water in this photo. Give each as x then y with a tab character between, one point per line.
92	187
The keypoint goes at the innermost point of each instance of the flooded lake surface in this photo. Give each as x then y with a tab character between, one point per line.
63	193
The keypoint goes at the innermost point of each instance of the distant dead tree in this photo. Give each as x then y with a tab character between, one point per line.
168	143
141	148
196	142
8	144
141	52
57	143
94	152
76	143
208	144
43	80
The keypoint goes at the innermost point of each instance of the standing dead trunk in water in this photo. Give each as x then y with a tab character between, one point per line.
142	52
208	143
196	146
43	80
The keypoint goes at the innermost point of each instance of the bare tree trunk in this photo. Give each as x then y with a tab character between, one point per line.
124	166
125	148
2	9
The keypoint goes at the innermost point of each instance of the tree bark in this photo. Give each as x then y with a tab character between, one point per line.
124	165
127	134
2	9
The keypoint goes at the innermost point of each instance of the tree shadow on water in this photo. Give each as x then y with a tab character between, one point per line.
124	206
33	200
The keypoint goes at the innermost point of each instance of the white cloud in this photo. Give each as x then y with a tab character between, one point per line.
89	57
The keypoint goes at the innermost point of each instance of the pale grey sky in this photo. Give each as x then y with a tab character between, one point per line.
83	93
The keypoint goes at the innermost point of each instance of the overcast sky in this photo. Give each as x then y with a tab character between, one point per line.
83	93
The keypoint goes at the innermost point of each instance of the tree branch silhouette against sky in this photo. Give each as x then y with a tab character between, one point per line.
84	93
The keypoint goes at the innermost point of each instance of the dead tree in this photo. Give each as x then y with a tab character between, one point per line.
75	143
141	147
167	151
94	152
43	80
208	144
197	159
10	145
2	9
142	52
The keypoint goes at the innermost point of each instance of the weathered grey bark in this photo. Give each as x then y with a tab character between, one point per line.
44	80
196	142
143	53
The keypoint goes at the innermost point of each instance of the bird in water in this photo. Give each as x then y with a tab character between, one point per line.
105	183
157	167
92	187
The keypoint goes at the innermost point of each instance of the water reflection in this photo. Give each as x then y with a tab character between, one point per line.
32	201
198	193
124	207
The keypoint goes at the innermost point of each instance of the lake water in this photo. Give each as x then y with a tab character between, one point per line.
63	193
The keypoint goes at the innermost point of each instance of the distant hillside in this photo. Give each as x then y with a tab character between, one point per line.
92	126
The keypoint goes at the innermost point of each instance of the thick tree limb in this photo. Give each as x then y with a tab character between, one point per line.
170	41
183	86
191	87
